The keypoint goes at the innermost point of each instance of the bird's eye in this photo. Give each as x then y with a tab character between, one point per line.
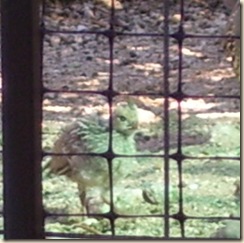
122	118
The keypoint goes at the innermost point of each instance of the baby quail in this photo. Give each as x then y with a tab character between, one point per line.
90	134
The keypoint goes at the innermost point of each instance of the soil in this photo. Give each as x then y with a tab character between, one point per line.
81	62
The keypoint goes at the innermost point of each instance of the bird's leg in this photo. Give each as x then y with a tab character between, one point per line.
106	199
85	210
82	196
90	204
84	226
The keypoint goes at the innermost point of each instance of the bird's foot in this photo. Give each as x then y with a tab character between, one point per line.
96	205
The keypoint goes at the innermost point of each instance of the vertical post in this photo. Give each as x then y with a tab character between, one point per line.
22	97
166	118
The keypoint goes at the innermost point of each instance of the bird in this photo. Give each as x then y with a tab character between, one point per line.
90	134
232	45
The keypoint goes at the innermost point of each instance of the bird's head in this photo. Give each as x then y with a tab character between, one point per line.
125	119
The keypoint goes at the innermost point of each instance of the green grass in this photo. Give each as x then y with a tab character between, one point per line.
207	189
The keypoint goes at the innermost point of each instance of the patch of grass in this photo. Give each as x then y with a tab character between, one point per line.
207	189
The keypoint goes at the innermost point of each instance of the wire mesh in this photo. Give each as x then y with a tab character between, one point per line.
178	156
168	215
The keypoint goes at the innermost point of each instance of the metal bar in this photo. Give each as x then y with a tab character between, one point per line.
22	99
166	120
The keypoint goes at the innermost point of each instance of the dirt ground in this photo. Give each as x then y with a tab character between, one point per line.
81	62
